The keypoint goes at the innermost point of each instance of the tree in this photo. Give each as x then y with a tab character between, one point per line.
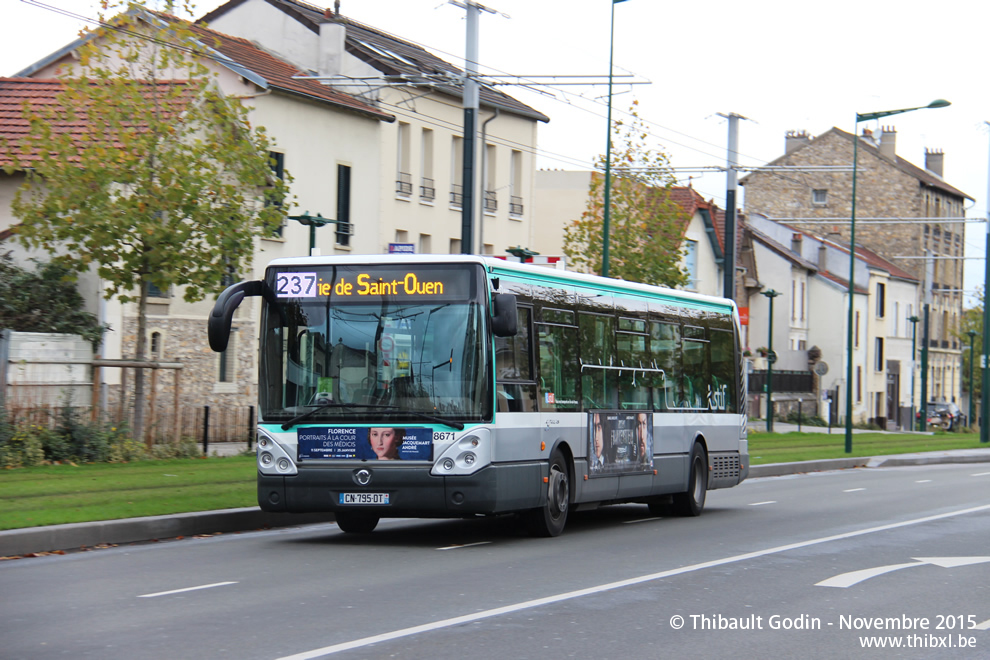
645	224
145	170
45	300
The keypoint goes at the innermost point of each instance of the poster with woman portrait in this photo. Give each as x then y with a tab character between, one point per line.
377	443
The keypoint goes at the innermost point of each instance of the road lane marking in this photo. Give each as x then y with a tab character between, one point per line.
983	626
923	481
179	591
633	522
981	474
464	545
762	503
853	490
855	577
611	586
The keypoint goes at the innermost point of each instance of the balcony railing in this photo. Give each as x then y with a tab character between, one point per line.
403	184
491	201
515	205
427	191
456	195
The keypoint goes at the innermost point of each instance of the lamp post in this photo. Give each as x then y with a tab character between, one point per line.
914	353
866	116
312	222
606	213
771	358
972	367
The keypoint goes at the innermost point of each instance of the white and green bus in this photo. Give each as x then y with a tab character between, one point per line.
458	386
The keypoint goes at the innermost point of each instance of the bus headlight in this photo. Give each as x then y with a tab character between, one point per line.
273	458
468	454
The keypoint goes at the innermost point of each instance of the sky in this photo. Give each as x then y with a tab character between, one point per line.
782	65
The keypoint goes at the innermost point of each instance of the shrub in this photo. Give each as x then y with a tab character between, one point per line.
23	449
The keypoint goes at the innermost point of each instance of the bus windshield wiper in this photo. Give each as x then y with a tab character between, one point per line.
323	406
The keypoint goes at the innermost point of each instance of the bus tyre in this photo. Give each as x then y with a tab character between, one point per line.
692	502
549	519
355	523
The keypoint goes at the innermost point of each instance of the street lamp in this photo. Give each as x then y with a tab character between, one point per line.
608	147
914	353
972	367
771	358
312	222
866	116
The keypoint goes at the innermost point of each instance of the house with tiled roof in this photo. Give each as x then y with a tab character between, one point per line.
811	274
563	196
320	135
421	151
904	213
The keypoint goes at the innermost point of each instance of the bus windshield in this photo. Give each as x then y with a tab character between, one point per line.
355	344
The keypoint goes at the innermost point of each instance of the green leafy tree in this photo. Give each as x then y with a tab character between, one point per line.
645	224
144	169
972	319
45	300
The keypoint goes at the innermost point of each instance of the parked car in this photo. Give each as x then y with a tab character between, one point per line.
944	414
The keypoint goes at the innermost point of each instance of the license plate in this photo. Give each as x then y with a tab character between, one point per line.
364	498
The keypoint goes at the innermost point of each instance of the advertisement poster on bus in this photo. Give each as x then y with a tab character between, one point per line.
620	442
378	443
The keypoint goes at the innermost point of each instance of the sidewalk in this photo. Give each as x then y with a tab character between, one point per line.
18	542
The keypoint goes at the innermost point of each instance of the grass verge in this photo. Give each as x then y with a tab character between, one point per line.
790	447
57	494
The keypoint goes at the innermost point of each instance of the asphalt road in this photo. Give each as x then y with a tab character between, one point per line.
794	566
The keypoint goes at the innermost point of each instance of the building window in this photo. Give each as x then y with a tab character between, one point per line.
856	332
403	179
456	168
859	384
427	187
155	292
156	345
691	262
344	227
226	359
515	177
424	244
878	351
276	161
819	197
881	299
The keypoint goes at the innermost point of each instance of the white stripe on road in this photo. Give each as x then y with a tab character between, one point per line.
179	591
853	490
633	522
762	503
570	595
981	474
923	481
465	545
983	626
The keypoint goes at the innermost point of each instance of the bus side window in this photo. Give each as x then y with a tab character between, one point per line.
665	351
634	386
559	371
599	385
515	387
723	371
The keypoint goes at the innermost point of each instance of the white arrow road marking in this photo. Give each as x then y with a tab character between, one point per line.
855	577
983	626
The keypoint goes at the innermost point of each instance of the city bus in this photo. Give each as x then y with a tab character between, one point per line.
438	386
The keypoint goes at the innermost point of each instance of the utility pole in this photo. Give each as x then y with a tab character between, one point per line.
732	164
470	122
925	339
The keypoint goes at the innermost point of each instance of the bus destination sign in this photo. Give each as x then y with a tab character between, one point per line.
355	285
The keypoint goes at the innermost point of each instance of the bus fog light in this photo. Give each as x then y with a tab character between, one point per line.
448	464
469	458
266	459
283	464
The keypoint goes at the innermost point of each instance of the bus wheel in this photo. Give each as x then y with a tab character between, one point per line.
355	523
693	501
550	518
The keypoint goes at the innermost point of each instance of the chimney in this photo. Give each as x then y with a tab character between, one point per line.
330	49
934	160
822	257
795	140
796	243
888	142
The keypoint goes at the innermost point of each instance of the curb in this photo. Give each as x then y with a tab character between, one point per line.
74	536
